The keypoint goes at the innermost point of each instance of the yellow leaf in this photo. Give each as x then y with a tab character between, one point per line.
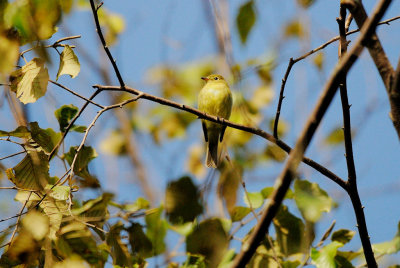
319	60
30	82
9	54
69	63
37	224
294	29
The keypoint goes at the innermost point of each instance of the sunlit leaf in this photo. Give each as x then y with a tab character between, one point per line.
139	204
253	200
156	231
325	257
275	153
32	172
69	63
34	20
94	210
290	232
55	210
59	192
238	213
389	247
9	54
19	132
182	201
200	242
113	24
73	261
184	229
263	96
311	200
318	60
335	137
342	236
294	29
138	240
30	82
37	224
245	20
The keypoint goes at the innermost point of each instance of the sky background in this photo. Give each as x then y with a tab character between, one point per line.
179	33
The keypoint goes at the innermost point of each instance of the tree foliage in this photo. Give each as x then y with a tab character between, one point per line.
69	216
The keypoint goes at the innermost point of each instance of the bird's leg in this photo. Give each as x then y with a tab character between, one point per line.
203	124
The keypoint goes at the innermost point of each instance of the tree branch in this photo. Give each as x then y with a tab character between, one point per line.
222	121
352	189
289	171
380	59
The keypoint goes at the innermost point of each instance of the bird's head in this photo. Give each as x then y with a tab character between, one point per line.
214	78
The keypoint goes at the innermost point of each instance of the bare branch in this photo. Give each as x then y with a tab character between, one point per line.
76	94
289	171
352	177
222	121
103	42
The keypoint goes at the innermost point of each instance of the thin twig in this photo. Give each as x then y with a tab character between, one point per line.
11	155
281	97
18	219
284	180
103	42
72	123
54	45
352	177
76	94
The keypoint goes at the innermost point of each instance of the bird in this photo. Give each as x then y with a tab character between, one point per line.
215	98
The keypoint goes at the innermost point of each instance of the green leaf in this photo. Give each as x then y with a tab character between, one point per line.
94	208
119	251
64	114
227	260
256	199
156	231
30	82
80	129
45	138
69	63
245	20
335	137
19	132
9	49
342	236
311	200
210	240
32	172
59	192
139	204
290	232
294	29
81	168
138	240
184	229
267	191
389	247
182	201
238	213
55	210
194	261
325	257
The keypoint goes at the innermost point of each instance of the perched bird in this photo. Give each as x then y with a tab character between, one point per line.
215	98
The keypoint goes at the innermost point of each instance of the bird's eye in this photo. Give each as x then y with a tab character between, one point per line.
215	78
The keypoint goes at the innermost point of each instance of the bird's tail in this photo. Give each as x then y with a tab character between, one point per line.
212	152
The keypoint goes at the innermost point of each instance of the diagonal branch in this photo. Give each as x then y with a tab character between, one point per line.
289	171
380	59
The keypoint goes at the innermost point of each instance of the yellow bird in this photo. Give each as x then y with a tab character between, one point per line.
215	98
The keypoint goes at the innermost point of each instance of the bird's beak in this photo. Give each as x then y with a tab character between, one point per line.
205	78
